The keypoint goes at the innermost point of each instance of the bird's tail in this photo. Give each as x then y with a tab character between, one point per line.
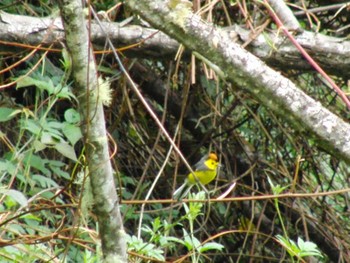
182	191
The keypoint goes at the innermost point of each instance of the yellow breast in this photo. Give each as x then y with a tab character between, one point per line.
204	177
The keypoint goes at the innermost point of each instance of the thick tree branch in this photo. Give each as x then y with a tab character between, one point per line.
285	14
93	126
331	53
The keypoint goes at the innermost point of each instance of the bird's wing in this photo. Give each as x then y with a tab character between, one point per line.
200	166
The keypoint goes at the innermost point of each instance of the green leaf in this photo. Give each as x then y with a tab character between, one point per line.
306	245
37	162
17	196
72	116
44	181
289	245
7	166
66	62
47	139
72	132
210	246
276	189
53	129
191	242
308	248
196	243
60	173
66	150
177	240
63	92
16	229
8	113
55	167
54	125
38	146
32	126
41	84
32	217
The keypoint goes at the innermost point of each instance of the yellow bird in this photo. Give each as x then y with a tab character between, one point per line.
205	171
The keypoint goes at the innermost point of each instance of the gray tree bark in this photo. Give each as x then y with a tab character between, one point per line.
95	136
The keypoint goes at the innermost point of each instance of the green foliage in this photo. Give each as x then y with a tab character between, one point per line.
301	249
7	114
41	139
193	244
144	248
190	241
13	197
159	238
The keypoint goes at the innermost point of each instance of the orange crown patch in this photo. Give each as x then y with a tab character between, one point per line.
213	156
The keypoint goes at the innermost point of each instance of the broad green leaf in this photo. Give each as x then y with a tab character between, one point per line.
55	167
37	162
60	172
56	163
72	132
56	125
41	84
177	240
191	242
63	92
16	229
17	196
306	245
8	113
308	248
32	217
32	126
38	146
66	150
54	129
210	246
72	116
44	181
46	138
7	166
